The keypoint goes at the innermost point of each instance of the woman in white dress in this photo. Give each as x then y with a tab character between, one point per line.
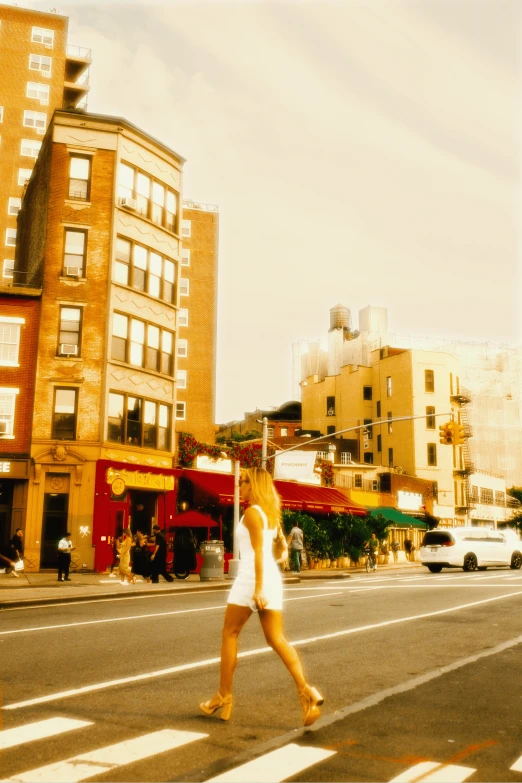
258	587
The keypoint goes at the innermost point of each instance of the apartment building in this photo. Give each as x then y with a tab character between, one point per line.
99	233
39	72
19	321
196	369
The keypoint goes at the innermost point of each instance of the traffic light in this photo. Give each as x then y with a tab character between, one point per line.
459	437
447	433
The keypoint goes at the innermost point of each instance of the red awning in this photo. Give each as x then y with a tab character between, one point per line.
194	519
294	496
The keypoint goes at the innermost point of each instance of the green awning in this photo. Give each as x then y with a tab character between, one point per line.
397	517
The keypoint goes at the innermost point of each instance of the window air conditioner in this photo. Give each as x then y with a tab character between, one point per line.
68	350
48	46
46	74
40	131
44	102
72	271
128	202
3	427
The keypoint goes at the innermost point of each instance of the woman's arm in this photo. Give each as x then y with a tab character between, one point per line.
254	524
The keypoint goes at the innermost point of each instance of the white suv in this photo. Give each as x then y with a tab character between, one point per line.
470	548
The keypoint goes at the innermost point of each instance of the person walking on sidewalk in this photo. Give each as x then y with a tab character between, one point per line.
296	545
395	546
10	567
408	547
258	587
124	552
158	559
65	548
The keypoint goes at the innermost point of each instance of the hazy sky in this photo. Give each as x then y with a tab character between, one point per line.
360	152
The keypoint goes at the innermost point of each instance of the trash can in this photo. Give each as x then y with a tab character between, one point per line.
212	568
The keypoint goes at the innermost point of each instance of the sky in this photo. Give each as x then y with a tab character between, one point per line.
360	152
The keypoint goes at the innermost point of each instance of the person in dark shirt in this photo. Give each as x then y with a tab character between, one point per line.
158	559
17	544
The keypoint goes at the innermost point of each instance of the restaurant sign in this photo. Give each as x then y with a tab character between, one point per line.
135	479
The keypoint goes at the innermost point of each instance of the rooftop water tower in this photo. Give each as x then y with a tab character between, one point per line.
340	317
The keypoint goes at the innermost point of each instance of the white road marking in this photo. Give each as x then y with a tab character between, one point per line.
276	766
106	759
142	616
109	600
10	738
248	653
517	766
432	772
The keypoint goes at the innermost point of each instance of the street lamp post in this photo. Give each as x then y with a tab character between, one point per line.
234	563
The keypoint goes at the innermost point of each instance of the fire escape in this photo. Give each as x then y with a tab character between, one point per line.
464	466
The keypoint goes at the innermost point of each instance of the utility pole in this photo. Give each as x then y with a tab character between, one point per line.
233	564
264	447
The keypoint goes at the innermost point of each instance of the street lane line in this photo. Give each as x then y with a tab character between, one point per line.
248	653
517	766
432	772
276	766
142	616
128	597
109	758
10	738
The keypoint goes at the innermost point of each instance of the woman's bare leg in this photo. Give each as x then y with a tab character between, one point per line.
235	618
272	623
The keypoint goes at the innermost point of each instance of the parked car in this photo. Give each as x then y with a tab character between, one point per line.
470	548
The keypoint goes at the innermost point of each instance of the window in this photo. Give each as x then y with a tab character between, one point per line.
182	347
145	270
379	443
388	386
367	423
323	454
330	429
429	381
390	425
139	422
183	318
38	91
13	206
7	271
474	494
432	454
142	344
390	458
9	340
357	480
186	228
181	410
64	414
1	113
181	379
346	457
284	432
184	286
79	177
367	393
70	330
368	458
39	62
10	237
486	496
24	175
430	417
330	406
500	498
378	409
185	257
7	412
42	35
75	247
150	198
270	432
35	119
30	148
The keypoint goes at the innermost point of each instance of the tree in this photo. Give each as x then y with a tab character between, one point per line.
378	525
515	492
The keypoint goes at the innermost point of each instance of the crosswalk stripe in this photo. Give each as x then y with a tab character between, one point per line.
10	738
105	759
276	766
433	772
517	766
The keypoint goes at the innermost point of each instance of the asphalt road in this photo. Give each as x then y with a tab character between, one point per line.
420	674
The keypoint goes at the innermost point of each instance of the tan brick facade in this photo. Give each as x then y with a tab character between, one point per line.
200	363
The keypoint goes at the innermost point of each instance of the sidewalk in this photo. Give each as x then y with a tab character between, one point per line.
34	589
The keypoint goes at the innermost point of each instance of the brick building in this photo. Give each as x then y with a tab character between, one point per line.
196	374
19	321
99	232
39	72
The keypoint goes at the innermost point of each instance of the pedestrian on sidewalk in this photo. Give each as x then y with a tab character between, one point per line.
124	552
10	567
17	543
65	548
395	546
408	546
158	564
116	541
258	587
141	557
296	546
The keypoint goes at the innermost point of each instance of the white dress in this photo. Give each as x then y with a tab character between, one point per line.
242	593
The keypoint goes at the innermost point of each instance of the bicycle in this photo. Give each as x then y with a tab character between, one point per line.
371	565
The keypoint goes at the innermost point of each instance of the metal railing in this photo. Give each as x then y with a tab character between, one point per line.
200	205
79	51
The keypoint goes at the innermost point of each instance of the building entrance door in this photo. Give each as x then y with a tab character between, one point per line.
54	527
142	511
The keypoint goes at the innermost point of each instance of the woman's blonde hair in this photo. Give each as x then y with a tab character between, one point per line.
264	494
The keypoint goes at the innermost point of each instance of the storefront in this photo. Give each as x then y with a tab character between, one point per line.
14	475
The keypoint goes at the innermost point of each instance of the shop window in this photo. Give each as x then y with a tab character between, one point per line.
64	414
79	178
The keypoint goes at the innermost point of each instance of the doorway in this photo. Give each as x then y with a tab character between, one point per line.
142	511
54	527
